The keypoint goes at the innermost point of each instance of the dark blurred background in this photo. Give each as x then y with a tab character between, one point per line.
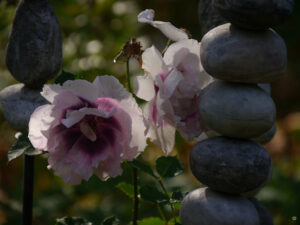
93	34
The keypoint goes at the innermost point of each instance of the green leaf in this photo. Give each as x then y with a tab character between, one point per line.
126	188
111	221
63	77
168	166
177	196
143	167
152	221
22	146
152	194
72	221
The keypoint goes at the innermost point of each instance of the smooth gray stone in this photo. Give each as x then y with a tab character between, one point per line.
236	110
206	207
266	87
267	136
265	217
255	14
236	55
34	52
230	165
18	103
209	17
254	192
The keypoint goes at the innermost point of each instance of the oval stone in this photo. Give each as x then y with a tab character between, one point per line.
230	165
206	207
34	52
237	110
243	56
267	136
18	103
255	14
265	217
266	87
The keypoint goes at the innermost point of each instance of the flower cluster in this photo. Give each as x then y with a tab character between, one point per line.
171	86
91	128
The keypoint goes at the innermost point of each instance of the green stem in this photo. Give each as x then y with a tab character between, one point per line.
167	46
166	193
128	77
162	215
136	199
134	170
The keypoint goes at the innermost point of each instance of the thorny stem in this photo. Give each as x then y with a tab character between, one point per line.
161	213
134	170
28	190
166	193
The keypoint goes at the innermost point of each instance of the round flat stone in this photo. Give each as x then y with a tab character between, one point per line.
237	110
18	103
206	207
266	87
243	56
230	165
34	52
255	14
265	217
267	136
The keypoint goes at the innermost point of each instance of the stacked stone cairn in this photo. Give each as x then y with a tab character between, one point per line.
34	56
234	165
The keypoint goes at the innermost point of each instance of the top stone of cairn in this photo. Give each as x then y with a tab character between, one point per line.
255	14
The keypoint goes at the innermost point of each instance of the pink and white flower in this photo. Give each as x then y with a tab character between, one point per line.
88	128
168	29
171	86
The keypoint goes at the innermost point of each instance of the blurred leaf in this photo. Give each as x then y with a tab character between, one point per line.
168	166
143	167
72	221
126	188
64	76
21	146
111	221
177	196
152	194
152	221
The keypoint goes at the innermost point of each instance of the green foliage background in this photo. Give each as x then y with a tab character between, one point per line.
93	33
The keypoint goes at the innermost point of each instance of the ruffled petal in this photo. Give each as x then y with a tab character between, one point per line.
39	125
50	91
162	135
153	62
168	29
82	89
170	84
109	86
144	87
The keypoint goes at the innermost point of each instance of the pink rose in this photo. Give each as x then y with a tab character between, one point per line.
172	85
88	128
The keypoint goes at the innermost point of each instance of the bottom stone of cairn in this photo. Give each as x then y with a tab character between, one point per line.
206	207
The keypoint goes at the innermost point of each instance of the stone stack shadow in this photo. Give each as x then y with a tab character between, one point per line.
243	56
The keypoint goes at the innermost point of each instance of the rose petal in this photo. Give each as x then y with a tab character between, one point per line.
153	62
168	29
50	91
83	89
109	86
39	125
144	87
